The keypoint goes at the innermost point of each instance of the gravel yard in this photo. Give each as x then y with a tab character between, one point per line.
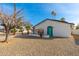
39	47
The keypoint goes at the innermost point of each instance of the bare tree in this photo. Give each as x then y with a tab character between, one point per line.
9	22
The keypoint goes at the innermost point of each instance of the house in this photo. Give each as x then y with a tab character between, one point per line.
1	28
54	28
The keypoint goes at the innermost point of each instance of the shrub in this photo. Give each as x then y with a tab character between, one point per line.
13	31
40	32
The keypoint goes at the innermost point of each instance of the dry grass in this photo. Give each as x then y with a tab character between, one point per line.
25	46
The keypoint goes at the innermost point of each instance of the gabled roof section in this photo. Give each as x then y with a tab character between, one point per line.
54	20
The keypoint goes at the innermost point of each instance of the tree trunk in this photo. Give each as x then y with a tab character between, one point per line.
41	35
28	32
7	32
6	35
22	33
14	33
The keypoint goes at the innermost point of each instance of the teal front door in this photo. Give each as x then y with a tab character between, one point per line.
50	31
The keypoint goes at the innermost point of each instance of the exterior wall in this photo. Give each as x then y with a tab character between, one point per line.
59	29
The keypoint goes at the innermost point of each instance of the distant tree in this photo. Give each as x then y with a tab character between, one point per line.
28	27
20	25
62	19
77	27
13	31
21	30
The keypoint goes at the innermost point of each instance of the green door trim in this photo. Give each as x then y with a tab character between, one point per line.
50	31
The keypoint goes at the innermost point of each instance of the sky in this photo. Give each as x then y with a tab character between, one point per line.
36	12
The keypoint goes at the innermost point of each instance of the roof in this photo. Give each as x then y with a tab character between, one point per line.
53	20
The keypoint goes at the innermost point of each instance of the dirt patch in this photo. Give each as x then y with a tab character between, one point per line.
76	37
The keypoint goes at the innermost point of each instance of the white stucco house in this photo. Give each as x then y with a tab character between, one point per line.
54	28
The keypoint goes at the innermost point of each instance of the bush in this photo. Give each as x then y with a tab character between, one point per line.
13	31
40	32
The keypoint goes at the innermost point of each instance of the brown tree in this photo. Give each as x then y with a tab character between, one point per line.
9	22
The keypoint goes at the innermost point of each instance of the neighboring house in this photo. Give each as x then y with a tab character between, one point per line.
24	30
75	31
1	28
54	28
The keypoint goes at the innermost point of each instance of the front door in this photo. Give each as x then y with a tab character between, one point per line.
50	31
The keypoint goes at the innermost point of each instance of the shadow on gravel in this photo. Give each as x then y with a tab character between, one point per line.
25	36
76	39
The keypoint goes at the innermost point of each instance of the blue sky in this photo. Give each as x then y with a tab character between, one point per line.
36	12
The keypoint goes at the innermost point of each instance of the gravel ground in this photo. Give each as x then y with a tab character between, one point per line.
39	47
33	46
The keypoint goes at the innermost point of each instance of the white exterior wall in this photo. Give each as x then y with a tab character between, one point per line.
59	29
